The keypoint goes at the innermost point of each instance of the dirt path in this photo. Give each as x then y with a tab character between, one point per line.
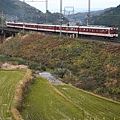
50	77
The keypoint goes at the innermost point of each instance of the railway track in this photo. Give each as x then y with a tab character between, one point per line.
114	41
101	39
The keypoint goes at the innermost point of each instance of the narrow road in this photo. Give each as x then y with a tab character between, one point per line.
49	77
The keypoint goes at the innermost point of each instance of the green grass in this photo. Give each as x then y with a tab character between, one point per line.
96	107
8	82
44	102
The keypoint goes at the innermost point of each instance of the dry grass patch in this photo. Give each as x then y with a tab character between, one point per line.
20	92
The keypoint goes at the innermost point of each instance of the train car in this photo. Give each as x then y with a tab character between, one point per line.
70	29
45	27
14	25
99	31
67	29
31	26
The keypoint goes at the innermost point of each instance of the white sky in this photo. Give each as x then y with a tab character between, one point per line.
54	5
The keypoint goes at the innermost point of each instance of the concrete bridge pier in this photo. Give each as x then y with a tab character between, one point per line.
4	35
1	38
7	32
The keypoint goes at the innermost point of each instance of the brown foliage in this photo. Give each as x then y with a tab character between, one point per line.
111	69
113	48
20	91
16	114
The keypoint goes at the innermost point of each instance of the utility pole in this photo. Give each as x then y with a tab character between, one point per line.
88	20
2	21
60	18
46	9
23	17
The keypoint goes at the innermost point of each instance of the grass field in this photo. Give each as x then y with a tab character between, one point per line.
44	102
8	82
98	108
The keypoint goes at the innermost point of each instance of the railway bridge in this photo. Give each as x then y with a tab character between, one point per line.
6	32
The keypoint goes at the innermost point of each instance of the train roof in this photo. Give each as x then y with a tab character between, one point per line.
96	27
85	27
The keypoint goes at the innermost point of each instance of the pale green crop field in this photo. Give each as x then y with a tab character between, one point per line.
98	108
43	102
8	82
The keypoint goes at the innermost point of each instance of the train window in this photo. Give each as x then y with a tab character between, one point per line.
92	30
66	28
97	31
116	31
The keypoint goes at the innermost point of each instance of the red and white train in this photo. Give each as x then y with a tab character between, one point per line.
100	31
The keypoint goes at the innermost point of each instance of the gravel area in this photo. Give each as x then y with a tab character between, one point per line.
49	77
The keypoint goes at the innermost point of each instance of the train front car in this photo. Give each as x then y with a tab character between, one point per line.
113	32
99	31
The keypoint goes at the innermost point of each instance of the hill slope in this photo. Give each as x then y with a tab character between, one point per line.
81	17
108	18
16	10
90	65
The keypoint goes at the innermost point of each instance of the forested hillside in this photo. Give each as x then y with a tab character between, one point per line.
15	10
108	18
80	18
90	65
